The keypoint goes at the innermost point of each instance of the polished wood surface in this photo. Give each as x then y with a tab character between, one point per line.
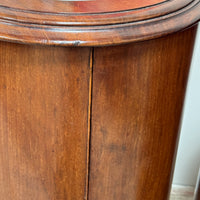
81	6
138	93
44	99
94	23
80	12
92	122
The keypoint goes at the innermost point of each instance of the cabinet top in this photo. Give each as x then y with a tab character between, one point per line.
77	6
93	22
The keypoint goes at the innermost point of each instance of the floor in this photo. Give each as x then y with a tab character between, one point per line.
181	197
182	193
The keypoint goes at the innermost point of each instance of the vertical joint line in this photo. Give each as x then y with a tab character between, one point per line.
91	62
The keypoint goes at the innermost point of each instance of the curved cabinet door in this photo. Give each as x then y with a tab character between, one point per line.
44	97
138	93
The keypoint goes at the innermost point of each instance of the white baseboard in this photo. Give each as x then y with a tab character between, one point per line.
179	192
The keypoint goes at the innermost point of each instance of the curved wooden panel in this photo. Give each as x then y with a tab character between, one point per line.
138	93
43	122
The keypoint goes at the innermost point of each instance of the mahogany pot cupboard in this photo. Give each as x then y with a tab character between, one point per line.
91	95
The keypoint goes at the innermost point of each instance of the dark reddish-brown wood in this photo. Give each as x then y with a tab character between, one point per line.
198	194
92	123
86	12
74	6
197	197
93	23
44	99
138	92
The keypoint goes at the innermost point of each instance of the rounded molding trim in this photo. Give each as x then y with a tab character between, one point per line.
100	27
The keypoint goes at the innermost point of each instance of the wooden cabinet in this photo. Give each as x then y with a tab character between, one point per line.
91	95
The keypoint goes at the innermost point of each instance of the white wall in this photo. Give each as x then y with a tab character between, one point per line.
188	157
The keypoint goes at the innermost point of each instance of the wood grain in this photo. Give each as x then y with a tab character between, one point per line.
43	122
138	93
94	23
86	12
74	6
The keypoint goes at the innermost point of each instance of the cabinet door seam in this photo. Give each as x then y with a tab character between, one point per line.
91	62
